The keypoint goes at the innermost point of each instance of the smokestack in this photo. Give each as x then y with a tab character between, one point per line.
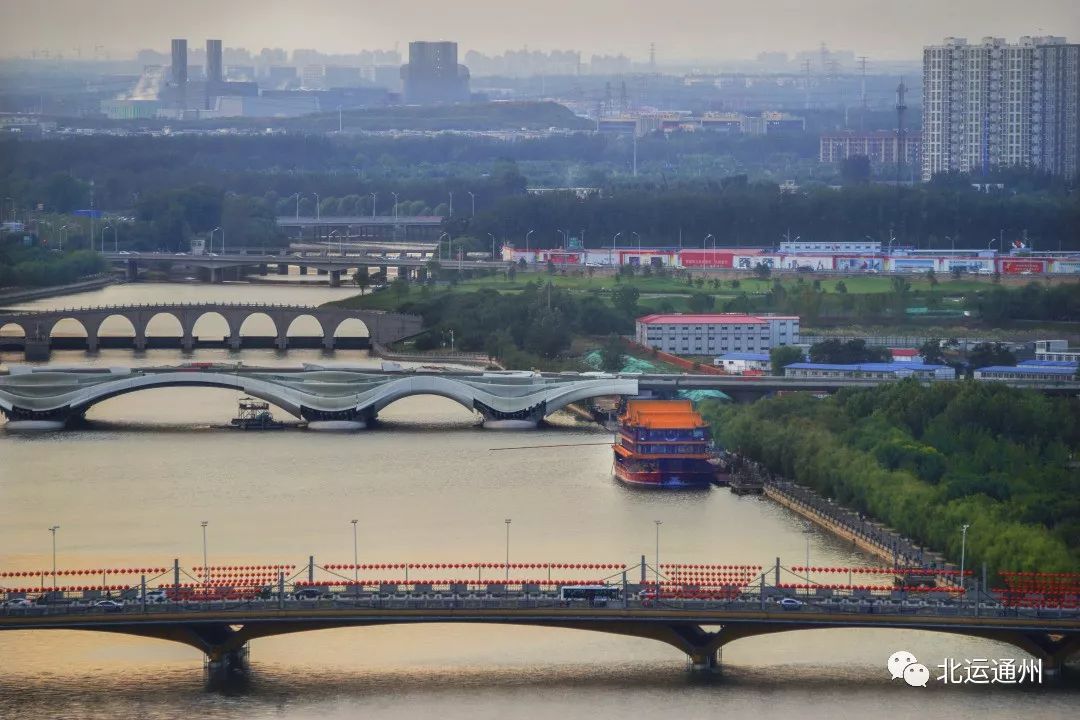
213	61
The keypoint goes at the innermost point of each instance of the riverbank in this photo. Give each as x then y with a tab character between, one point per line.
17	296
868	535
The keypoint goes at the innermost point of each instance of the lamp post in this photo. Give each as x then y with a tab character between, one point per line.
657	558
963	549
507	521
563	237
614	245
107	227
53	530
807	530
472	197
355	553
211	251
638	236
706	241
451	192
373	196
395	209
316	206
205	567
527	244
440	242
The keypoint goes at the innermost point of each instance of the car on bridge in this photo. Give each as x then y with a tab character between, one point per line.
109	605
790	603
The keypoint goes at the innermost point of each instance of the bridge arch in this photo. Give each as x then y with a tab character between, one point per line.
207	323
67	326
157	324
255	319
117	329
352	327
12	330
301	324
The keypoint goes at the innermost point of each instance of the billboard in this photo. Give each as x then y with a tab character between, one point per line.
1020	267
858	264
813	262
914	264
706	258
562	258
1070	267
970	265
749	262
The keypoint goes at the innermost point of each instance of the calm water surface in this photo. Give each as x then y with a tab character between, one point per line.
428	485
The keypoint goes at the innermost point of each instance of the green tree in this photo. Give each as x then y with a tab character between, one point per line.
625	299
855	170
700	302
611	354
988	354
932	351
784	355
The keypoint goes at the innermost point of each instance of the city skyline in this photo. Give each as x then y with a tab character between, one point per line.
722	31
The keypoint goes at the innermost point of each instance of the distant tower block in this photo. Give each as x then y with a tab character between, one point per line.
213	61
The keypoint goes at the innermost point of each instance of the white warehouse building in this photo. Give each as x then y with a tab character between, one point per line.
712	334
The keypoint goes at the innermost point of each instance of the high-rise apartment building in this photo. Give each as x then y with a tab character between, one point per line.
214	72
433	74
996	104
179	62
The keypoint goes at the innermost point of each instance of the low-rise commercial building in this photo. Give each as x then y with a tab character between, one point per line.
879	371
719	333
1056	350
737	363
1030	370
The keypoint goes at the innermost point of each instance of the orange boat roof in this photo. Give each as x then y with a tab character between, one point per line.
662	414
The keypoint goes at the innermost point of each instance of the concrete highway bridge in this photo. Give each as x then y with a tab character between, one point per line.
696	623
215	266
37	325
39	398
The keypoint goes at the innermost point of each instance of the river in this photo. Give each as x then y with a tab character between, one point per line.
427	485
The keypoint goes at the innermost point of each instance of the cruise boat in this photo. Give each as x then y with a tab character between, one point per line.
663	444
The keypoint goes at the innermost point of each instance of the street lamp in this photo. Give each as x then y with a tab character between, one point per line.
563	237
373	196
963	549
107	227
451	203
657	558
706	240
440	242
395	209
211	251
527	244
807	530
638	236
316	206
205	567
473	198
507	521
492	246
53	530
355	554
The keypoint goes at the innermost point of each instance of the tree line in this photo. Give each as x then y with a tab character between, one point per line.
926	460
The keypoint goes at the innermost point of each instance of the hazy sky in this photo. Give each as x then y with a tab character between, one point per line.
681	29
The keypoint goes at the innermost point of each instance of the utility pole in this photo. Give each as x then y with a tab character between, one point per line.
53	530
963	549
656	557
507	521
355	553
205	567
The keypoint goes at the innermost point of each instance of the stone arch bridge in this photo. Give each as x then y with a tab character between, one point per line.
37	325
328	398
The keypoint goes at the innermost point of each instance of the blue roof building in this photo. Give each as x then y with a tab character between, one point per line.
871	370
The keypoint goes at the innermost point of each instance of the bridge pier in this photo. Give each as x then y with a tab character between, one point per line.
227	667
282	269
281	342
704	660
321	271
263	269
92	342
233	342
215	275
187	342
303	269
335	278
131	270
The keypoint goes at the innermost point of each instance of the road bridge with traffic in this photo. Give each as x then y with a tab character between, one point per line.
698	609
329	262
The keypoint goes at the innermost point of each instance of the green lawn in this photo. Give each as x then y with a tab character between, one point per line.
655	286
